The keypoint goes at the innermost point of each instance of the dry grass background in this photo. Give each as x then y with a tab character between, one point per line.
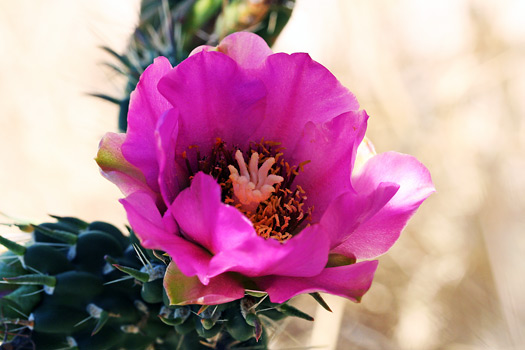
442	80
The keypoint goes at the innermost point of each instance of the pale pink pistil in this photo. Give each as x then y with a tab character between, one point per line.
253	185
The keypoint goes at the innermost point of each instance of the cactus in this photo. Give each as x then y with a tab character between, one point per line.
173	28
87	286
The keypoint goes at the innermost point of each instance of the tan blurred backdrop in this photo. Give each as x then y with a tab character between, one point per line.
442	80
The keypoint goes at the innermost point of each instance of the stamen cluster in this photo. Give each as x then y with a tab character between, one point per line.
253	186
277	210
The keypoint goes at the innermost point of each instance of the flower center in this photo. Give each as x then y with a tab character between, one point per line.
253	186
263	189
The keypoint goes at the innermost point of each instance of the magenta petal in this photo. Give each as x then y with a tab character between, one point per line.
230	236
183	290
331	148
350	281
117	169
146	220
233	229
204	219
299	90
350	210
306	254
196	210
247	49
216	99
202	48
145	108
156	232
166	135
379	233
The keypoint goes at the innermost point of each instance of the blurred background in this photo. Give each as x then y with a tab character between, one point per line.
442	80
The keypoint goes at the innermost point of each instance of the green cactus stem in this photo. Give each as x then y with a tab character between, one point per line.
110	295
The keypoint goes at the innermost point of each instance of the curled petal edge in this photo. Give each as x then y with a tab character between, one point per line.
117	169
350	281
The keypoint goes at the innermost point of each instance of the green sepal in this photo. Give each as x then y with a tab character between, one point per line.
13	246
321	301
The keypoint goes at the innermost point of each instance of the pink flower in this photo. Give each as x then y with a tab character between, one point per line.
239	163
